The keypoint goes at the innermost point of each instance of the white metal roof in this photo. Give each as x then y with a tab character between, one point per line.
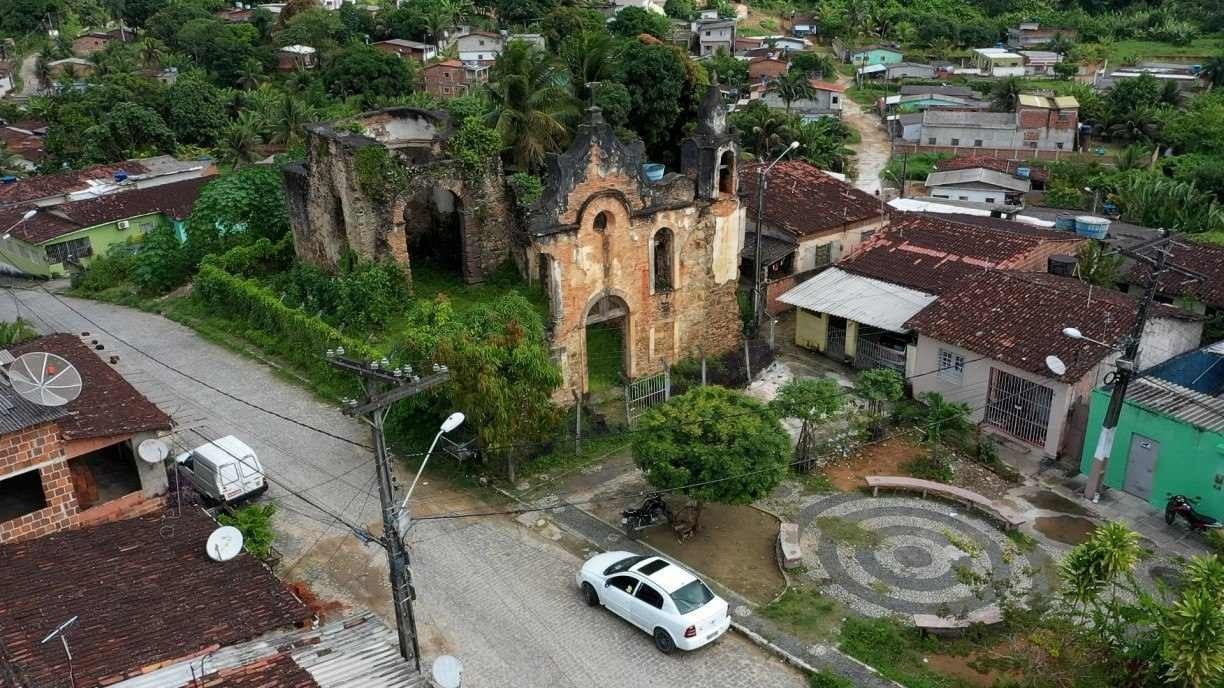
978	175
861	299
299	49
871	69
1175	401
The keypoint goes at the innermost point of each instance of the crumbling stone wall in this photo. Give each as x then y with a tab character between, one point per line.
364	192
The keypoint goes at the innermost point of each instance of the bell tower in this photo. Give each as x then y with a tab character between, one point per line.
710	154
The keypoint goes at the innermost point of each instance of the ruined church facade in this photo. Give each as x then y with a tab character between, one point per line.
653	260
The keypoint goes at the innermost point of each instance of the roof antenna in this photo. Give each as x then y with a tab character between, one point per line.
62	632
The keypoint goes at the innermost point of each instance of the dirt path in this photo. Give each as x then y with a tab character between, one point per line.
873	152
29	76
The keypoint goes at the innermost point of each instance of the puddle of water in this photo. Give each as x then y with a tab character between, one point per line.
1070	530
1052	501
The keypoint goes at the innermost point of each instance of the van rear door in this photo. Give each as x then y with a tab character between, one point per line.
230	481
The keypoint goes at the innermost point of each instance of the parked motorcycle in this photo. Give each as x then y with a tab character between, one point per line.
653	510
1180	505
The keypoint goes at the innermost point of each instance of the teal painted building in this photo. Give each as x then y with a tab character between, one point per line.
60	238
1170	435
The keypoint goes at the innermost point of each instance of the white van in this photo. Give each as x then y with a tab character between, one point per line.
224	470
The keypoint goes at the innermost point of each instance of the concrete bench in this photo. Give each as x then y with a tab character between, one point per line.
1010	517
788	545
986	616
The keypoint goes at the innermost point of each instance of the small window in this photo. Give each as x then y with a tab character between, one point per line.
955	142
835	100
661	267
650	596
20	495
962	198
707	33
1032	144
977	143
1059	145
990	199
822	255
69	251
931	141
625	584
602	220
951	366
867	235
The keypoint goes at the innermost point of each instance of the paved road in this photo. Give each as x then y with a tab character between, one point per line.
872	154
29	76
490	591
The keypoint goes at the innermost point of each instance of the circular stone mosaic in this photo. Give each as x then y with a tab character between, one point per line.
902	555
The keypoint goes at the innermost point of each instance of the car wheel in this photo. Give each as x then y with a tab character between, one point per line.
589	595
663	641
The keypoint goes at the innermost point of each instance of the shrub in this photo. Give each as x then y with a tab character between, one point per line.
259	258
527	188
255	524
933	465
107	271
370	296
822	679
162	262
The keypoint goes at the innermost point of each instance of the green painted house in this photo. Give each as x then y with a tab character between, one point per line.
867	54
1170	436
60	238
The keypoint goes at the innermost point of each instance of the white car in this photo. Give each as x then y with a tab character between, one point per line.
657	596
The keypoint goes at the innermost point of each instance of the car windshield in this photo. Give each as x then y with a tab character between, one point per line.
692	597
622	566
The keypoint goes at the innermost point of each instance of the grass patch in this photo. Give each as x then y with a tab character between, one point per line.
805	614
841	530
564	458
815	483
963	543
430	280
868	95
823	679
605	351
895	651
1150	50
916	165
1024	543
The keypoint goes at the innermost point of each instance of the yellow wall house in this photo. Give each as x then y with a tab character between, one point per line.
52	241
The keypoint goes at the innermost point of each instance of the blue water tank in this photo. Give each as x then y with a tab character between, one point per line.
1065	223
1092	227
654	171
121	176
1023	172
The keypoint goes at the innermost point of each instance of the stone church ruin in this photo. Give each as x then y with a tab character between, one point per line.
652	262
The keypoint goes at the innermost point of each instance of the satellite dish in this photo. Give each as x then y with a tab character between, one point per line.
153	451
447	672
1056	365
224	543
44	379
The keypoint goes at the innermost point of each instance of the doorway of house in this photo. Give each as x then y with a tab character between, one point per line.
606	349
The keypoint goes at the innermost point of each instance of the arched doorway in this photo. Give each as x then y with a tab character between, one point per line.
726	173
607	346
434	219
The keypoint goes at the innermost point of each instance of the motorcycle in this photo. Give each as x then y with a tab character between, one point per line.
653	510
1180	505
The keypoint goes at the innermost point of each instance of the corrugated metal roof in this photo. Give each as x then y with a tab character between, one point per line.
356	652
861	299
1181	403
978	175
17	414
1064	102
981	120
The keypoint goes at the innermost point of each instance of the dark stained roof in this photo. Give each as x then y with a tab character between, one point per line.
956	91
1037	172
42	186
23	143
108	405
772	248
277	671
803	200
1201	258
1006	225
145	593
17	414
174	199
1017	318
933	253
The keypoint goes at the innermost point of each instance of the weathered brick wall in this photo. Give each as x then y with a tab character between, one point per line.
39	446
699	314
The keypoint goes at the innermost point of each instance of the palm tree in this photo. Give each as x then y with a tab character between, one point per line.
1006	94
250	73
529	104
1213	70
1133	157
589	57
794	85
239	141
291	116
1170	94
1140	124
151	52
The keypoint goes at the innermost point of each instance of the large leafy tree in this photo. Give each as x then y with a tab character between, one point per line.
714	445
25	16
635	21
194	109
523	11
566	21
656	78
128	131
219	47
367	72
318	28
817	65
529	104
236	209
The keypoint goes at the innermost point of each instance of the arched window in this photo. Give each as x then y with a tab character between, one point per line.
661	260
726	173
602	220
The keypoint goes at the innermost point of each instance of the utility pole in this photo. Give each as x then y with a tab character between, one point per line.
382	386
758	272
1128	363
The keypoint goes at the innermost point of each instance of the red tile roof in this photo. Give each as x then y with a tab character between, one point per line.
1017	318
1037	172
108	404
277	671
932	254
145	593
21	143
827	86
1201	258
175	200
34	188
803	200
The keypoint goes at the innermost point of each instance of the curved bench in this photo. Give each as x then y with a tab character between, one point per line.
1010	517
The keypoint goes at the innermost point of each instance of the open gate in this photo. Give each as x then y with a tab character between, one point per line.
646	392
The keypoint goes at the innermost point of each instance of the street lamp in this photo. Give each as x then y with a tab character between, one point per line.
452	421
760	212
28	214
